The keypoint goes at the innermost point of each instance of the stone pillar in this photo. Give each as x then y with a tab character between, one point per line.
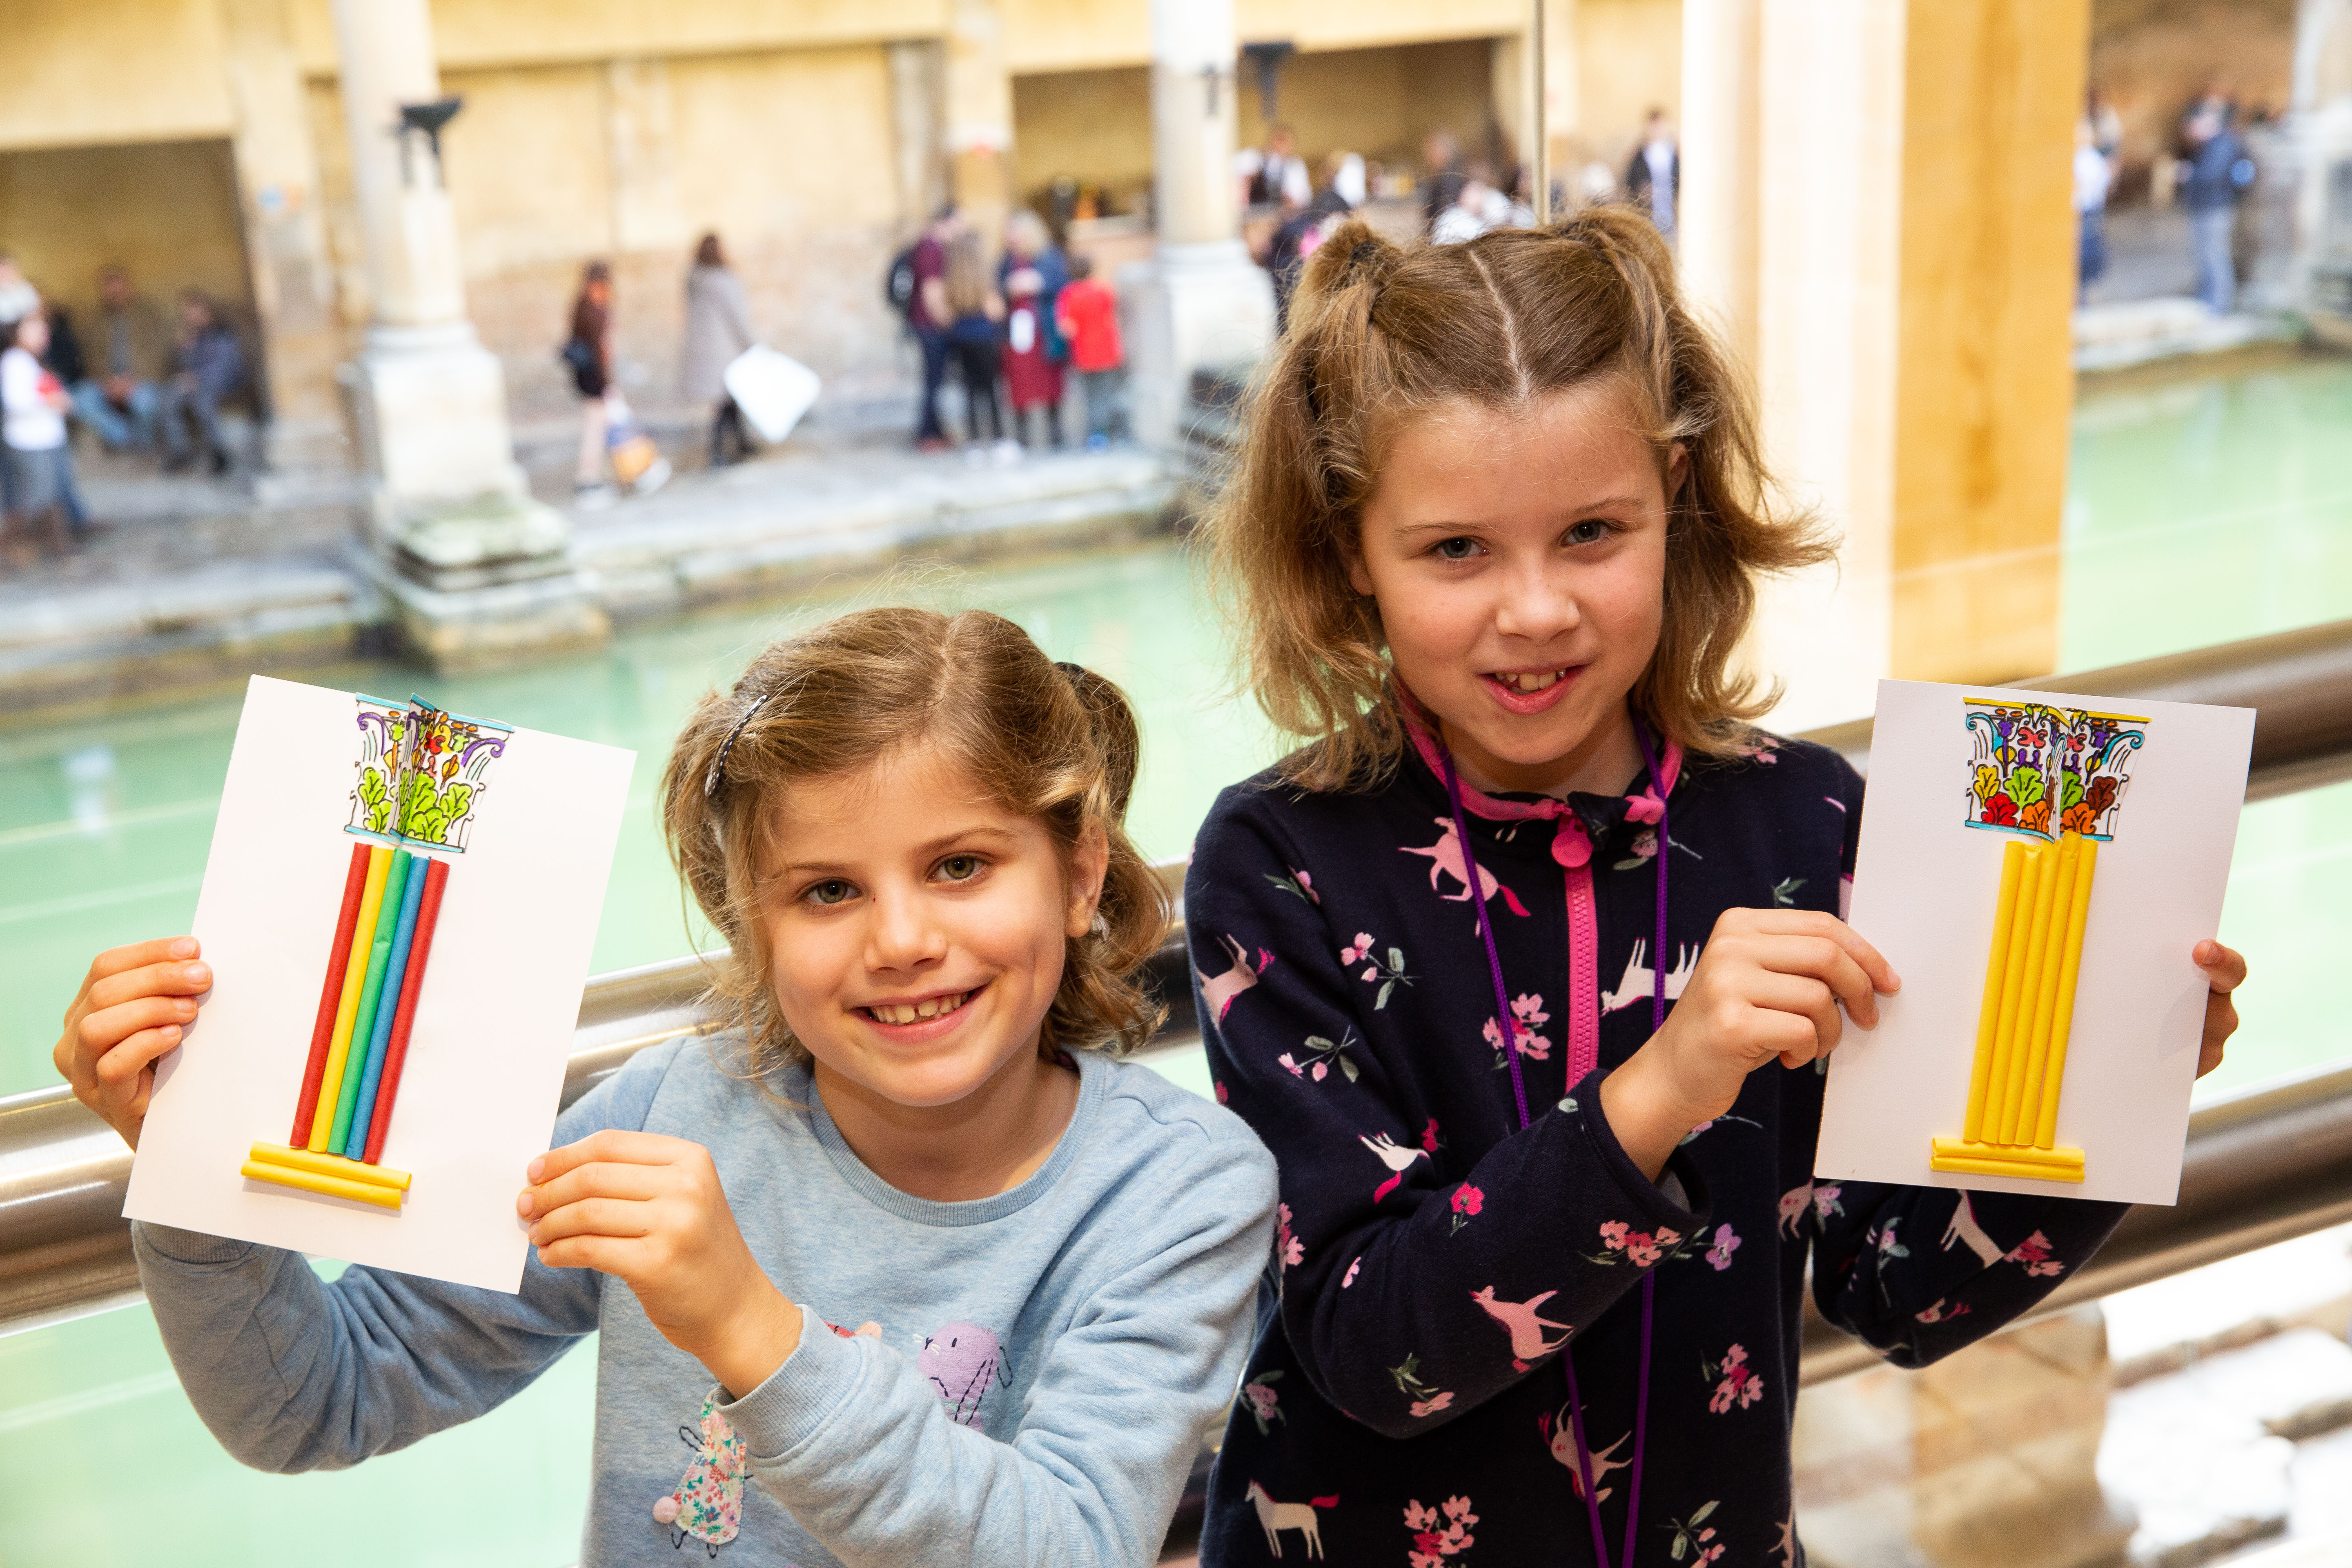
286	241
477	568
1892	249
2320	127
979	91
1201	302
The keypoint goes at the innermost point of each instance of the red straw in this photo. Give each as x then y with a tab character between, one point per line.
437	877
330	999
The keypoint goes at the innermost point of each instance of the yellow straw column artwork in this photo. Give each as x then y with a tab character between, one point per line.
2054	776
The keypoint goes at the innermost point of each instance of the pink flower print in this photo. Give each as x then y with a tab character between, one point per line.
1825	1201
1359	948
1741	1384
1937	1312
1285	1059
1370	971
1221	1090
1287	1246
1350	1278
1307	883
1439	1532
1532	1046
2033	1252
1264	1405
1429	1139
1641	1247
1694	1537
1321	1070
1726	1244
1645	806
1530	1010
1644	846
1433	1404
1613	1233
1467	1200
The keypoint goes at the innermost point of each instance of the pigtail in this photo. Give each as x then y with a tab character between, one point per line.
1098	998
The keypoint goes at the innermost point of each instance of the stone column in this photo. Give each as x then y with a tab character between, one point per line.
1876	209
1201	302
450	512
286	241
978	94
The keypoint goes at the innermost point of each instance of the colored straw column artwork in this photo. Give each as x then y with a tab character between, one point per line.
2054	778
419	779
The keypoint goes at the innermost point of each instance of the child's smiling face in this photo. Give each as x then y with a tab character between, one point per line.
1519	559
916	929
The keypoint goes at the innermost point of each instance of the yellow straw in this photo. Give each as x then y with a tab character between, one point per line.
2070	965
330	1165
333	1186
2031	1173
2013	873
2053	956
322	1121
1959	1148
2014	994
2036	940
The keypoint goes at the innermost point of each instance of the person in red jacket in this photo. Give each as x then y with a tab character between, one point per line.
1087	313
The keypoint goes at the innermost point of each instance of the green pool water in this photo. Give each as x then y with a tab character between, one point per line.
2198	513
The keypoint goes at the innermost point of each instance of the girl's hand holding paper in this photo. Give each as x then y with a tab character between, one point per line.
649	1211
2225	971
1768	985
130	1010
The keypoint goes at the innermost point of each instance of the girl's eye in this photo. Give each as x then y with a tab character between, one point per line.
1457	549
959	867
832	890
1592	530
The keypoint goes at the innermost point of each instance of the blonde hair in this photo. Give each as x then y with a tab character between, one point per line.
1056	743
1378	334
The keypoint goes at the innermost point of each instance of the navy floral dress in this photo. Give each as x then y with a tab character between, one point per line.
1406	1402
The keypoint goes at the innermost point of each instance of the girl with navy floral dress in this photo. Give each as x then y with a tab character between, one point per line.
1528	966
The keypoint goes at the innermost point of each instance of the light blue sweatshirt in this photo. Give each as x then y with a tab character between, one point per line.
1020	1380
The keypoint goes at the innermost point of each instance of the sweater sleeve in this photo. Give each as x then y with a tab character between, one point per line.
1407	1300
852	1437
292	1372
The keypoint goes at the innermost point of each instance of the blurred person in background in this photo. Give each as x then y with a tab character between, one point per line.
2093	176
18	297
1088	317
33	405
207	365
718	328
1031	276
2218	172
975	311
928	318
588	353
1443	186
1653	178
131	346
2106	125
1276	176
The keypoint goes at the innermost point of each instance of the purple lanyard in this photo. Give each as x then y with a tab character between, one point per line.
1507	1022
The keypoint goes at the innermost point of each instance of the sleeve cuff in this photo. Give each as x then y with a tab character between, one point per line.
1648	1198
192	1249
799	1396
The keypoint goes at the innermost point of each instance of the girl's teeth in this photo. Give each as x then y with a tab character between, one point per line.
913	1011
1529	684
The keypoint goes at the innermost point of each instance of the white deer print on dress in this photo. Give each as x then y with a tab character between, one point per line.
1964	1228
1218	992
1526	1328
1562	1436
1395	1156
1640	979
1445	858
1275	1518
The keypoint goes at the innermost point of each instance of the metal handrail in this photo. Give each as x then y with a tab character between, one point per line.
2263	1166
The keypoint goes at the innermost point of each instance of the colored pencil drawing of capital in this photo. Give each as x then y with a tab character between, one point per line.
2043	771
421	773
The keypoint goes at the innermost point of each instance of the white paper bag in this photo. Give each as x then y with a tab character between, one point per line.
773	390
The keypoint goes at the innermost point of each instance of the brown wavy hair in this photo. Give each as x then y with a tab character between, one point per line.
1056	743
1380	334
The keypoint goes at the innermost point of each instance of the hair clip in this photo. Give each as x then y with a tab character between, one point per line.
718	762
1074	671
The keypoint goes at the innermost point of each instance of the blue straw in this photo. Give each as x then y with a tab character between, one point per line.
362	1115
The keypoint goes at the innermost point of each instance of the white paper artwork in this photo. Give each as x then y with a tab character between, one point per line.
528	852
1962	778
